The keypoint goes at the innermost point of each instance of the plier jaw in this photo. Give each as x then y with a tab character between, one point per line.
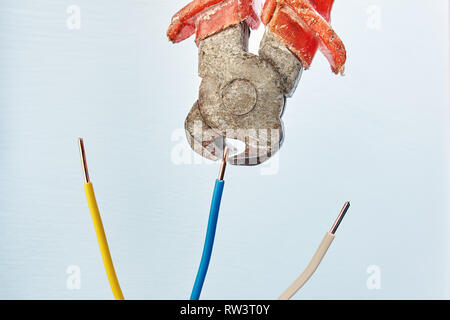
242	96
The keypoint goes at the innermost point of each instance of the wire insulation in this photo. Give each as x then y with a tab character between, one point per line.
317	258
310	269
98	225
209	241
103	242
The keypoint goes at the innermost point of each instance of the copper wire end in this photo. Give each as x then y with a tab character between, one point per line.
83	160
223	167
340	217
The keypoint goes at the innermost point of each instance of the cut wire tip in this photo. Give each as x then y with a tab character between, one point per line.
83	160
223	167
340	217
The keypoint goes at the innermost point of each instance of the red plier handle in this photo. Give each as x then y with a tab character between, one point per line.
303	26
207	17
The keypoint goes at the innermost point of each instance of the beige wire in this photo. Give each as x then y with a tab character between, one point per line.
317	258
310	269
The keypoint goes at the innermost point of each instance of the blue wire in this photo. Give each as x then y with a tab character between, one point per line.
209	241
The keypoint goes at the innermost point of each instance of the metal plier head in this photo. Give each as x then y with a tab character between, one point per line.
242	95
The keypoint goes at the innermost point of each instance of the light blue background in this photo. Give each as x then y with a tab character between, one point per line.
378	137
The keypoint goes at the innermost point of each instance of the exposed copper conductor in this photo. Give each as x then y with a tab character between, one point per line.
340	218
223	167
83	160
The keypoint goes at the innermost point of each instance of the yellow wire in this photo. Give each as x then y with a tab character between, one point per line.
103	242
